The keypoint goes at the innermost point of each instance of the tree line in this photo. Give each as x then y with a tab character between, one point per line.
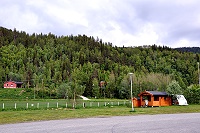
66	66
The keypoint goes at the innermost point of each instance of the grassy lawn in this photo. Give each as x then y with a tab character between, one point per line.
64	113
53	109
6	105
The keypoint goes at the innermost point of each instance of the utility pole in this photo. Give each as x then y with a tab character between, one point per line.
198	73
34	92
42	89
131	79
74	104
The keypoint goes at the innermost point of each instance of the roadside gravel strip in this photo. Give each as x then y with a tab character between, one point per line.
173	123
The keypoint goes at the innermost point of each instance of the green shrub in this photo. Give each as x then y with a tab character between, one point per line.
192	94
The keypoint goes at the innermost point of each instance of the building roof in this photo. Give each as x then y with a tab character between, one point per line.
154	93
14	82
19	82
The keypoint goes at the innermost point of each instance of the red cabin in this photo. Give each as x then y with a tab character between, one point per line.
13	84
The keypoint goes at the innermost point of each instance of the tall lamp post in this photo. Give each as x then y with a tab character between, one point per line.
198	72
131	78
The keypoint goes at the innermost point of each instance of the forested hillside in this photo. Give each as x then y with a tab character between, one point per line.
189	49
64	66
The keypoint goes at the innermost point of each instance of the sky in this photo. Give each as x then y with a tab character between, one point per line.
172	23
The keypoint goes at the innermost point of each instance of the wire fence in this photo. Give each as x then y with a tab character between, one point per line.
24	105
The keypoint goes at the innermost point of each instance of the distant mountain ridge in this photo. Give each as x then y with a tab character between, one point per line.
189	49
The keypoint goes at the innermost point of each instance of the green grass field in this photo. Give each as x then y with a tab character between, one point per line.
23	99
16	93
11	116
36	104
17	106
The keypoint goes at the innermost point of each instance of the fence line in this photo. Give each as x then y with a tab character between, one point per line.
37	105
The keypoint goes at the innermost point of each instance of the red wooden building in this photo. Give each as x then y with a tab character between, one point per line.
152	98
13	84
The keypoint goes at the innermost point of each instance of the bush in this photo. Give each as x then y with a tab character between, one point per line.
192	94
174	88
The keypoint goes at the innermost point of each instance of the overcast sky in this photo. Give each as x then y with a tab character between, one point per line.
172	23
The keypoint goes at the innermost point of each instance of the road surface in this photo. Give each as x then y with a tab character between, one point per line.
164	123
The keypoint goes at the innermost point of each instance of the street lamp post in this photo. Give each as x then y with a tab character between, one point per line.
198	73
131	78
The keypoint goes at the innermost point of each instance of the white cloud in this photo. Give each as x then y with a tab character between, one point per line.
123	23
145	36
185	43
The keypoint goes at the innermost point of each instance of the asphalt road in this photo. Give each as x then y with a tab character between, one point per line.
167	123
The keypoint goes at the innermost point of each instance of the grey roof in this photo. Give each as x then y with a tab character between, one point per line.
19	82
158	93
16	82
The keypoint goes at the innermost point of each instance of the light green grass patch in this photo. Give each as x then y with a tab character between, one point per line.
64	113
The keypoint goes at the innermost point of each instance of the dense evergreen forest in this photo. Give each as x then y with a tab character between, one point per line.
64	66
189	49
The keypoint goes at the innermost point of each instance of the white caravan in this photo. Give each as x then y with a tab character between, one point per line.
180	100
